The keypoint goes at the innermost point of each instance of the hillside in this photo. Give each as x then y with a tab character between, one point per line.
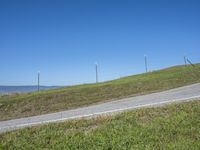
175	126
23	105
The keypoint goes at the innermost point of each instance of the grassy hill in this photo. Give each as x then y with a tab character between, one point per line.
23	105
175	126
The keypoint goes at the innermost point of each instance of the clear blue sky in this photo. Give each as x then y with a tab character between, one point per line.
63	39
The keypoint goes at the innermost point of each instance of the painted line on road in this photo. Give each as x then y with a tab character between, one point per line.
99	113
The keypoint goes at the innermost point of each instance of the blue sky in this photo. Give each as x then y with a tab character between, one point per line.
63	39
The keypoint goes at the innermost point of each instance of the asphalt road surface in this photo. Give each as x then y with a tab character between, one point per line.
187	93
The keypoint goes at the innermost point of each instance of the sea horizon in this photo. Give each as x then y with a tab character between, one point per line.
12	89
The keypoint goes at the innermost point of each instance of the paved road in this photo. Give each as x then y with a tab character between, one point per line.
191	92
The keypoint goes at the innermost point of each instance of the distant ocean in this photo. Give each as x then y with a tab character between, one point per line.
23	89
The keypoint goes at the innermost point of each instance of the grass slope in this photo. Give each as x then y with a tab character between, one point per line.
176	126
23	105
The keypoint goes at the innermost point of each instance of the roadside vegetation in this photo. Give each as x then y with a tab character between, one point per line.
30	104
175	126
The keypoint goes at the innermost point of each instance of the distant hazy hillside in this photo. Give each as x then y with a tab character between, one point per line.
23	89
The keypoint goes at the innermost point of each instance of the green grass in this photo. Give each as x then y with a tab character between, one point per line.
23	105
175	126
